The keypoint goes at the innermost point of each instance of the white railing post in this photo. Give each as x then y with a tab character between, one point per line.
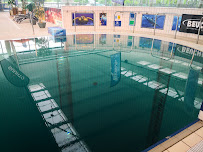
200	25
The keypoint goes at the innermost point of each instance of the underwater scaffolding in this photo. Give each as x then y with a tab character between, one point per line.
64	133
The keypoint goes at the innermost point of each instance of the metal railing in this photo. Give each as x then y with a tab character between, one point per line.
165	14
199	31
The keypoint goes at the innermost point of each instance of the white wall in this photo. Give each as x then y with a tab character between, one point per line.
110	10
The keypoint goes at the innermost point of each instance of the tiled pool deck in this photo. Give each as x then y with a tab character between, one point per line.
189	139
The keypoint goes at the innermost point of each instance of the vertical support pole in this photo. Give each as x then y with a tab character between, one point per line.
192	57
31	17
35	46
8	47
132	43
75	43
176	27
14	52
200	25
113	41
200	116
152	45
134	22
172	50
2	48
155	24
94	42
29	45
105	3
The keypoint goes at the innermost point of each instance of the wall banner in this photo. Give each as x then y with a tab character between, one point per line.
53	15
103	19
83	19
191	24
132	19
148	21
117	23
115	68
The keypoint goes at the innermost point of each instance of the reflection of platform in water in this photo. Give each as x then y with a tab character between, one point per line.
64	133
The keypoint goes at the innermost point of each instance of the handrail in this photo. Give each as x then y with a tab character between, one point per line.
201	20
151	52
165	14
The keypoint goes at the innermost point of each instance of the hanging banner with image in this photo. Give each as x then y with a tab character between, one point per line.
132	19
191	24
103	19
115	68
14	75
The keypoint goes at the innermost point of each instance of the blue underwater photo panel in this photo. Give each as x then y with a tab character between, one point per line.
117	23
103	19
175	22
83	19
148	21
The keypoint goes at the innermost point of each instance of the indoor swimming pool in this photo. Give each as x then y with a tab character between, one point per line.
96	92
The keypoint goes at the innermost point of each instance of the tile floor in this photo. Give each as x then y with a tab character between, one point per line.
188	140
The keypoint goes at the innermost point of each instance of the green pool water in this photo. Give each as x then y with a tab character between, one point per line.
158	93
